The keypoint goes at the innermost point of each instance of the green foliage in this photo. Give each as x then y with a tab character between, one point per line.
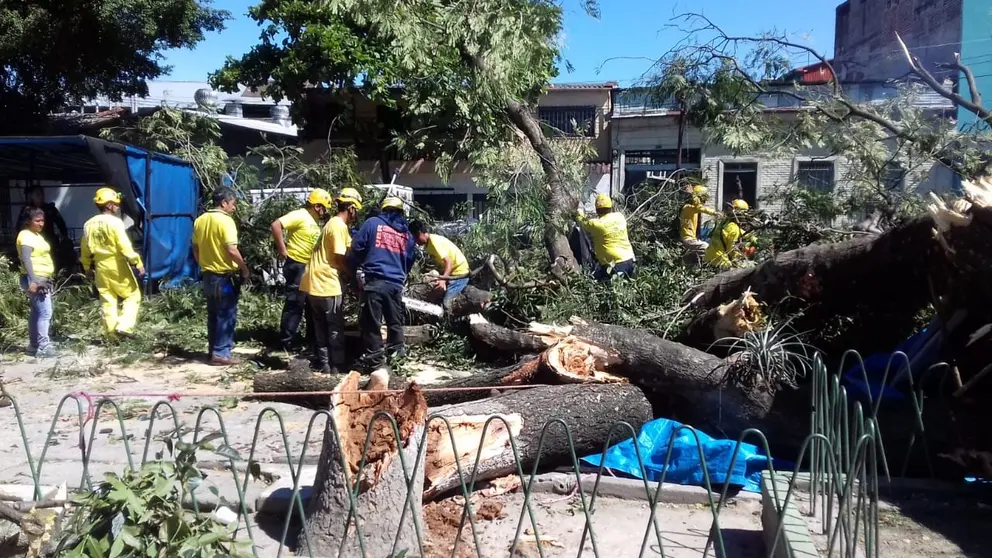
517	196
140	513
89	48
769	358
187	135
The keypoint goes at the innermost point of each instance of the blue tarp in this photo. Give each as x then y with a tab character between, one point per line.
169	198
160	191
684	466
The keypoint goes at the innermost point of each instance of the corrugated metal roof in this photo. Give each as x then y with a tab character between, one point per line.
585	85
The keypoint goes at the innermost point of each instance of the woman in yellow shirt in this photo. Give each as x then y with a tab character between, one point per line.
38	267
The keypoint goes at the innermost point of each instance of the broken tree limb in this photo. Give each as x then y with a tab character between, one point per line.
388	476
505	339
592	413
425	299
731	320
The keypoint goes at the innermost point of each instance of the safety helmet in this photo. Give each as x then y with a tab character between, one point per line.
319	196
700	191
350	195
604	201
740	205
106	195
392	202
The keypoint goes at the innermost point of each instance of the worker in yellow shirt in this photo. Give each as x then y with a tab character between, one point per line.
107	255
38	266
295	235
215	248
610	244
448	257
724	245
689	222
323	284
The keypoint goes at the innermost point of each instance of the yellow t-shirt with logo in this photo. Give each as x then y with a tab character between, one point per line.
302	232
105	240
41	253
440	248
609	238
320	278
213	232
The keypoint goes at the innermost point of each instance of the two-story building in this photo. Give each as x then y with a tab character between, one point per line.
645	139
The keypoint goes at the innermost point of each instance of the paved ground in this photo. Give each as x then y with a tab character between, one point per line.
918	527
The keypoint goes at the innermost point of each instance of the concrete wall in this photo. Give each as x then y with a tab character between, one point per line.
865	44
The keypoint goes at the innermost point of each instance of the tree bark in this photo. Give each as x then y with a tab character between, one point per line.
684	383
591	412
387	515
561	202
303	382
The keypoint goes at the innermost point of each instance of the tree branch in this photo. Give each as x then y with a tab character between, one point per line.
914	63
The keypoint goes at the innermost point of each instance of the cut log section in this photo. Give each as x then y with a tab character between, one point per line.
592	413
383	517
731	320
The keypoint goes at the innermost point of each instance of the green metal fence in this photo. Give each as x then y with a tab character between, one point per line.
834	484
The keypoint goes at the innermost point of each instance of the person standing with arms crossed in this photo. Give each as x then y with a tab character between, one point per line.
383	250
295	235
215	248
107	256
323	283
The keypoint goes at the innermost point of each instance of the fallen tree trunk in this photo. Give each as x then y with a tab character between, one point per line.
383	518
306	381
593	414
424	299
719	396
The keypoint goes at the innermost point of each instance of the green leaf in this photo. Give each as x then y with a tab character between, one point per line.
117	547
228	452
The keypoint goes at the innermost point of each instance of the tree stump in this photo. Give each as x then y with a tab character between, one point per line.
385	517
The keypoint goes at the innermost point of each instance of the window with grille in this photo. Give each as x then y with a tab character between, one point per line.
816	175
571	122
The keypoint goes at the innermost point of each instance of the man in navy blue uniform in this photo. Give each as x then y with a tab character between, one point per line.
383	251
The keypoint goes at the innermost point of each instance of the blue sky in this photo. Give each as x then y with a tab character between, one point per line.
617	47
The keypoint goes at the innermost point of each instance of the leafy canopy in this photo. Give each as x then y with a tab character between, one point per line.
459	63
56	53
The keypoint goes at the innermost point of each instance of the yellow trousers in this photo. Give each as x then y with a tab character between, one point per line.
120	296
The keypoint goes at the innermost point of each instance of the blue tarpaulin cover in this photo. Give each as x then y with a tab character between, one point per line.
684	466
160	191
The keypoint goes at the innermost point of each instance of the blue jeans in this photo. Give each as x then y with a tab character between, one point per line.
40	318
604	273
222	293
455	287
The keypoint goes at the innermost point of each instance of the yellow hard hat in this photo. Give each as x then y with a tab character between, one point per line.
350	195
740	205
392	202
319	196
700	191
106	195
604	201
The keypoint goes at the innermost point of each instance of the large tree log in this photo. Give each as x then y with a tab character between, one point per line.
387	515
305	381
718	396
592	413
